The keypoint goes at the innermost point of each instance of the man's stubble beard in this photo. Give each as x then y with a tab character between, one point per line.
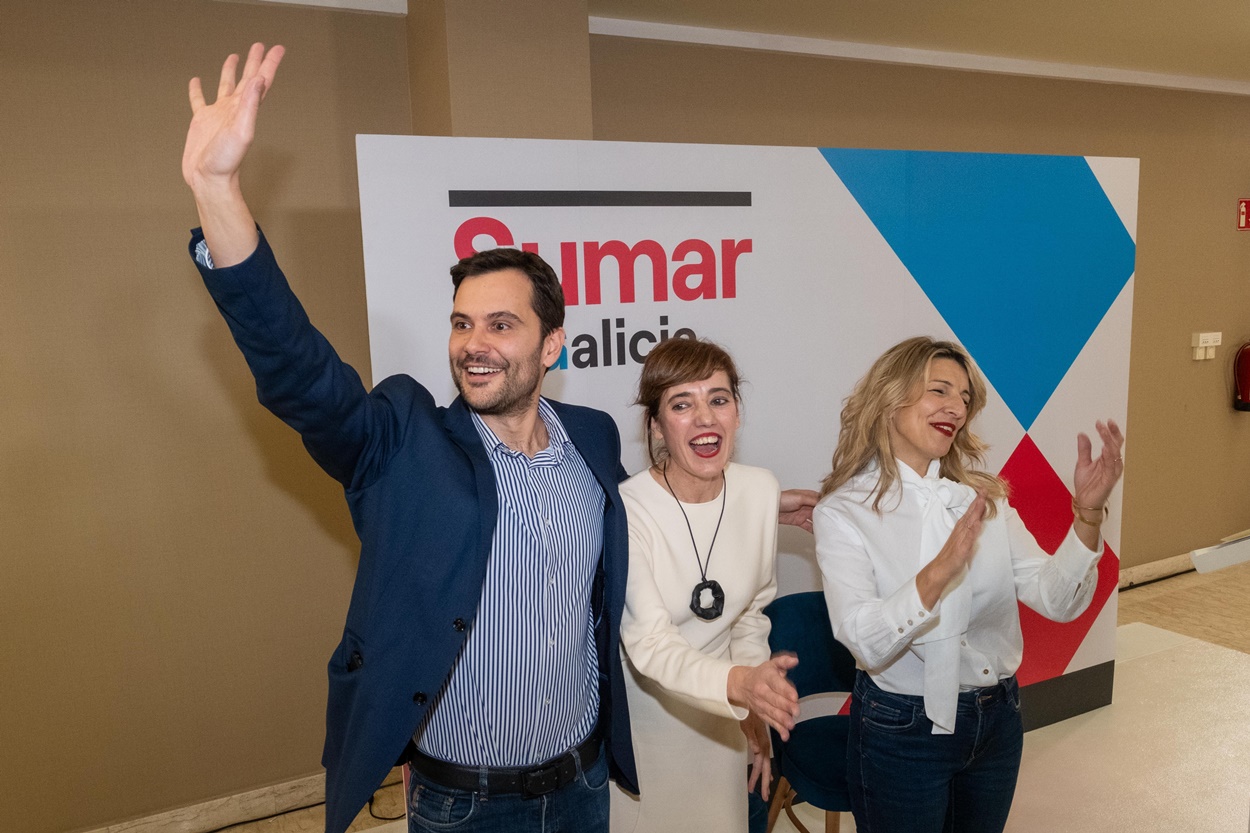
520	383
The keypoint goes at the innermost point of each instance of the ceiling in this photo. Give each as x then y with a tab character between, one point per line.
1197	44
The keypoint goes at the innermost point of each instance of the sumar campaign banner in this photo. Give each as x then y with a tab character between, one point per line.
806	264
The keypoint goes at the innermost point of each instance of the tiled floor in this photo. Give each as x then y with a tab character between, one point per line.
1140	764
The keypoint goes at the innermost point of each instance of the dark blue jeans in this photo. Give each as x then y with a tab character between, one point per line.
905	779
579	807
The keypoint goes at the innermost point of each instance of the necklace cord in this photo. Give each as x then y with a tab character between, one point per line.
703	566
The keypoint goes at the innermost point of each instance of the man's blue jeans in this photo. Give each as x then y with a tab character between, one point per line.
579	807
905	779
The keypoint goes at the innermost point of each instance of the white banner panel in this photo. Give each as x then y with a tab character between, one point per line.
806	264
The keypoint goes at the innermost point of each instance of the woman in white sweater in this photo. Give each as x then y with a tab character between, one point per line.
702	541
923	563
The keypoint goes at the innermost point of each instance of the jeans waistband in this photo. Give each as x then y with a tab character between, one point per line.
971	697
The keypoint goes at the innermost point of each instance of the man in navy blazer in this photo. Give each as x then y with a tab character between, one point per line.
425	485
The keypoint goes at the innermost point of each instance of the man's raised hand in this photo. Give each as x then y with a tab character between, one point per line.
217	141
221	132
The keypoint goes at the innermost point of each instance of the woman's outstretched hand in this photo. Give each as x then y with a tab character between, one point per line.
1094	479
764	690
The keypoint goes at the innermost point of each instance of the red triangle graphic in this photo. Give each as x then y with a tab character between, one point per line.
1045	506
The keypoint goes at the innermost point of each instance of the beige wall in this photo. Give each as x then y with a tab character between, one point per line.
1188	452
175	570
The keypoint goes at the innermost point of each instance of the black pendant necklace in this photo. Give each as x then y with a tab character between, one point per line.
717	607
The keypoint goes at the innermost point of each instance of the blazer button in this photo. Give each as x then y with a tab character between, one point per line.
419	698
355	661
458	624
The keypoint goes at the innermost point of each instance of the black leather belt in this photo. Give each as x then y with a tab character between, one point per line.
537	780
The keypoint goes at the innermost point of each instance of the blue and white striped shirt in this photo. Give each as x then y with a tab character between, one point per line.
525	687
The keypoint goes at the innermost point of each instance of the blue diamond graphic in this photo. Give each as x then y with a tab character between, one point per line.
1022	255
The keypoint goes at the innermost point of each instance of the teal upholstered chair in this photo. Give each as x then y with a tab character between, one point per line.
811	766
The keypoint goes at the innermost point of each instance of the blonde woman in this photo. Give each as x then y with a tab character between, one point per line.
923	562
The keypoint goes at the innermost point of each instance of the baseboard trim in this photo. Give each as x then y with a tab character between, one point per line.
1155	570
232	809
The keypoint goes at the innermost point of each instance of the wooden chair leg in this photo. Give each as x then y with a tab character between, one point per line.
833	821
780	799
793	818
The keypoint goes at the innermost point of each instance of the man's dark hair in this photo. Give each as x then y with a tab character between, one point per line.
546	294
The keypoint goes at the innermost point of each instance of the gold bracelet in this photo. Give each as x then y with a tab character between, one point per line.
1076	513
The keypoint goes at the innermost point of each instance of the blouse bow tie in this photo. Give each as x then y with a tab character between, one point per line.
943	502
951	495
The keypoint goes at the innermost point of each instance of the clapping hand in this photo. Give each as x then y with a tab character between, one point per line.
955	554
765	691
1095	477
1093	481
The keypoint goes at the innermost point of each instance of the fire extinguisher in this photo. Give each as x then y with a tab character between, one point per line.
1241	378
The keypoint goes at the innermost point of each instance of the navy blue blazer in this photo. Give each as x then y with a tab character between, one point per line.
422	496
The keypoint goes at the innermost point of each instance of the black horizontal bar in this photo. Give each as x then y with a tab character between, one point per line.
501	199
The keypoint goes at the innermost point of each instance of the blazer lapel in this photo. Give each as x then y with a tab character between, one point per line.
460	427
591	446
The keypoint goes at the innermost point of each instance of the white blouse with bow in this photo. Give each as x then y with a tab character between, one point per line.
971	638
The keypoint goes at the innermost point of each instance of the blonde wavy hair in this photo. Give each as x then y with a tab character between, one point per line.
895	381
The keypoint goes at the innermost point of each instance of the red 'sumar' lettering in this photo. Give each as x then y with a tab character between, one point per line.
699	274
